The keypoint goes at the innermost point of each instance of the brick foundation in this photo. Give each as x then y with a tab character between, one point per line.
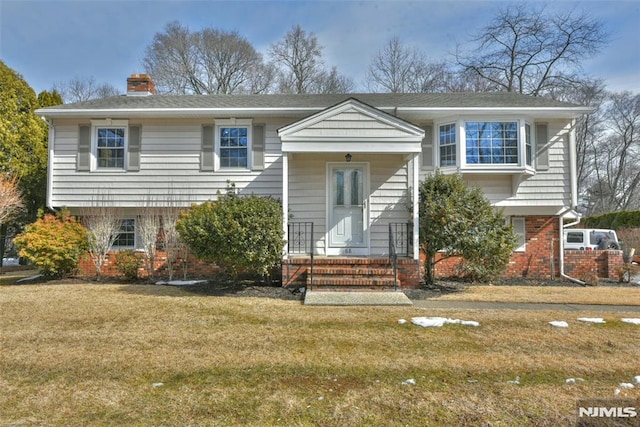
195	268
541	258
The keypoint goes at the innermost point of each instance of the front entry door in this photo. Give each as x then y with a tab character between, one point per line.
347	210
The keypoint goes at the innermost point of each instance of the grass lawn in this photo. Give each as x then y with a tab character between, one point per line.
96	355
549	294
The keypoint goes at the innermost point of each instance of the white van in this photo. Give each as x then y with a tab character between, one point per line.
590	239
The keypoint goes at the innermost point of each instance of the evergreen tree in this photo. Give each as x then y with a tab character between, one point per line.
457	220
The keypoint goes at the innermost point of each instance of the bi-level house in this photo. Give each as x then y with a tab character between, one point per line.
345	167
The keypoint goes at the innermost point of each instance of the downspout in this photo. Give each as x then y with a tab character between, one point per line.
50	143
574	201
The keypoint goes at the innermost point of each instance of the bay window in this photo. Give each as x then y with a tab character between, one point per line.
477	145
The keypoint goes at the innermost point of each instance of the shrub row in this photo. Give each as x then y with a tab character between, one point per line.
613	220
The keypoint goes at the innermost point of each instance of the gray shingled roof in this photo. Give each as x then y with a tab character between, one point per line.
256	102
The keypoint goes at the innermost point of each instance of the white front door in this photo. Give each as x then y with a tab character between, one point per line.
347	210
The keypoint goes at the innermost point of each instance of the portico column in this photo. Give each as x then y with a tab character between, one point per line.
416	197
285	201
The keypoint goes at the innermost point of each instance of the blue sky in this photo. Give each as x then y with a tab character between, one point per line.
53	41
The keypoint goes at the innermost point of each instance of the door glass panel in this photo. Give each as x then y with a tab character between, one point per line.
356	188
340	188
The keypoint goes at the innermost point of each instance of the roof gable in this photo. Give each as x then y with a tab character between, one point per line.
351	119
351	125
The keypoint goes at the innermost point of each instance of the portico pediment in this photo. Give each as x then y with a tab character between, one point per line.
353	126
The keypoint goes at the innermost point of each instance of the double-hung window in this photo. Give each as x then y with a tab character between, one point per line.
126	237
110	143
110	147
447	144
233	144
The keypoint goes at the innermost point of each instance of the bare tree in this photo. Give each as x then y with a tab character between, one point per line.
614	183
103	224
334	82
531	51
398	68
149	223
393	68
173	244
210	61
300	67
84	89
10	199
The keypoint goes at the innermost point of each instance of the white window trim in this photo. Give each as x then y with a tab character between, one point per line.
219	123
135	236
523	247
461	145
108	123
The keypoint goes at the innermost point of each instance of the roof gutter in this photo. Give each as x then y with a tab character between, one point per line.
567	112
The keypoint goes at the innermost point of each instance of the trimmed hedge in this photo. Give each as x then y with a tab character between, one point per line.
613	220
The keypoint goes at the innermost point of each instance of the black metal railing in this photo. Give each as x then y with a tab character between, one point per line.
400	237
301	242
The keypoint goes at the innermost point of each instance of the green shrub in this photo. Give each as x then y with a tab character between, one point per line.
613	220
458	220
55	244
238	233
127	263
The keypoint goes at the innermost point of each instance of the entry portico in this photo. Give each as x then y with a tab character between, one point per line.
351	170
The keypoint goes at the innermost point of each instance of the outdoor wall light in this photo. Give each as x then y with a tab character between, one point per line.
348	157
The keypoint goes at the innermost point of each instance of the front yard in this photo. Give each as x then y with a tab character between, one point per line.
148	355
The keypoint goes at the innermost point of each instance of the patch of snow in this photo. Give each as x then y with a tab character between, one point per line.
409	381
559	323
626	386
516	381
592	319
181	282
573	380
616	392
156	385
28	279
634	321
428	322
402	321
636	379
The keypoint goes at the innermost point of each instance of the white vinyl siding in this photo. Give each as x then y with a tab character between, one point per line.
387	198
169	168
548	188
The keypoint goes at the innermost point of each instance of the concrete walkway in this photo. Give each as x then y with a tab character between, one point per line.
470	305
355	298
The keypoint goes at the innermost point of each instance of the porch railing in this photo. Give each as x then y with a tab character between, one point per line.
399	244
301	242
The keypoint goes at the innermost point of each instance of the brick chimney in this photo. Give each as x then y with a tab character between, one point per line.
140	85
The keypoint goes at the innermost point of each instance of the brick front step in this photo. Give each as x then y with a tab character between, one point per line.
352	271
349	273
349	281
